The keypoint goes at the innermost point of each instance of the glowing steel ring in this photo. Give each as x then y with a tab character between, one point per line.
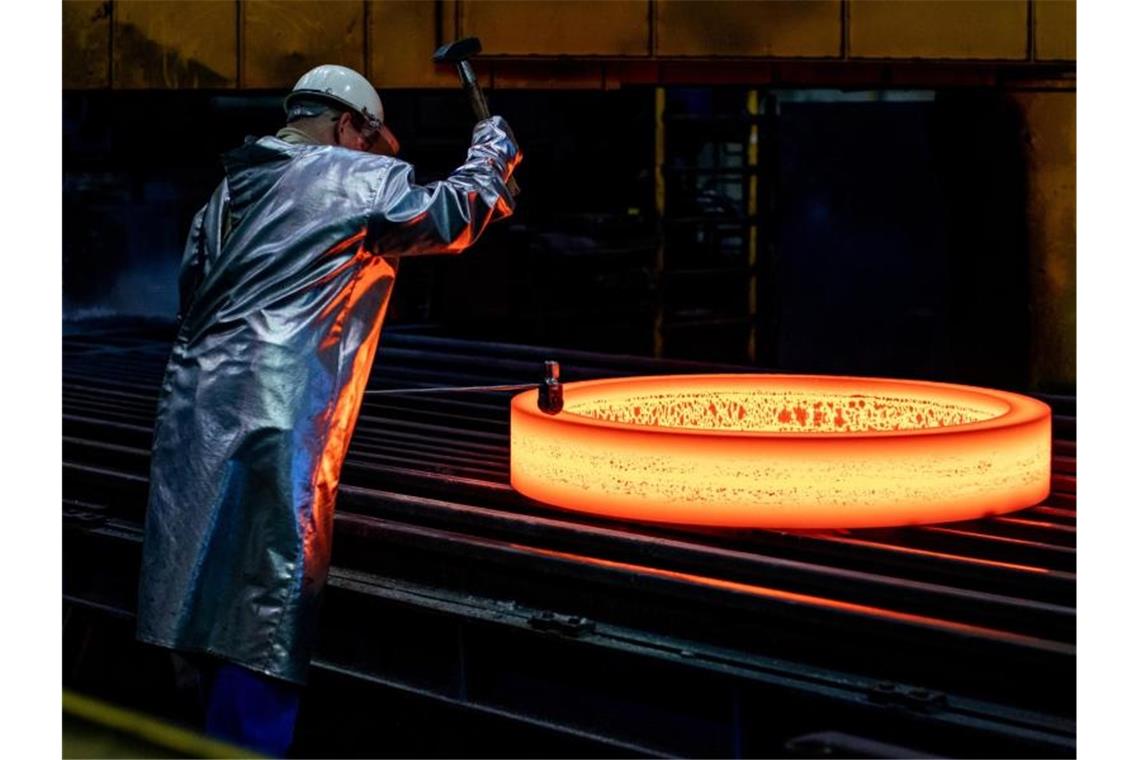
783	451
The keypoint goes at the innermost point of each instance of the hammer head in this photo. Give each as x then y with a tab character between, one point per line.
458	51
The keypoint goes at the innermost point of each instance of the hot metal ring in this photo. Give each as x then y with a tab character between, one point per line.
783	451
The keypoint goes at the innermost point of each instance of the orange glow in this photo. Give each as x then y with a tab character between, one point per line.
821	602
939	555
340	419
783	451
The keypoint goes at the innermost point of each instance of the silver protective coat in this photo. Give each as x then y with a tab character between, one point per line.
285	280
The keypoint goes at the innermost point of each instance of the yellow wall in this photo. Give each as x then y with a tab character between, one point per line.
810	28
86	44
402	35
283	39
1055	30
1051	218
173	45
594	43
585	27
970	29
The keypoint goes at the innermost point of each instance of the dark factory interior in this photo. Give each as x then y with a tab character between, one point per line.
892	229
837	188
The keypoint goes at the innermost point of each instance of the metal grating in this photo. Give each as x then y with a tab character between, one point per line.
957	638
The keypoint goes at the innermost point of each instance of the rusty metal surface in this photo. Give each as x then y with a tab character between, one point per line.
174	45
281	40
1055	30
1051	218
980	29
86	44
616	28
781	29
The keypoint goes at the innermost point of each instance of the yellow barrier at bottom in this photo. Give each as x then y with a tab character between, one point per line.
93	728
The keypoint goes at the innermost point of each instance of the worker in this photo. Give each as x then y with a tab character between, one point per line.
285	279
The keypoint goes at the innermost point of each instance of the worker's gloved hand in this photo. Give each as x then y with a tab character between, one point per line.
495	134
502	124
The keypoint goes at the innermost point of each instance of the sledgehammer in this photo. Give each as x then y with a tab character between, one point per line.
458	52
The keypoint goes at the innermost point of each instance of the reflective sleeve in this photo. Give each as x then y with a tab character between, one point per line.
447	216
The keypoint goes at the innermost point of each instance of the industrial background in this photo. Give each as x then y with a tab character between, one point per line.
866	187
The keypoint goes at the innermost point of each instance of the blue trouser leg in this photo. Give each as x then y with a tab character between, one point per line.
251	710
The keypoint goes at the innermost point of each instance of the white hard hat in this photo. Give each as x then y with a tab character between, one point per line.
347	87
